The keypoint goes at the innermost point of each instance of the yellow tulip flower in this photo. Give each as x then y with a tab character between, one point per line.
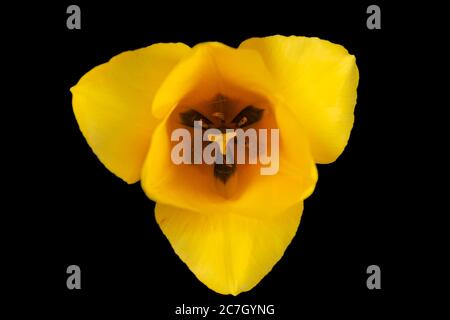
227	222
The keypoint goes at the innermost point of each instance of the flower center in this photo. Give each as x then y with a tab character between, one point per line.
222	113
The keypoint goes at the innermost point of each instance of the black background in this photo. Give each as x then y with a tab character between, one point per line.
77	212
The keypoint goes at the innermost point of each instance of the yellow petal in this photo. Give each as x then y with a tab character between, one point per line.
212	68
318	80
112	104
229	253
216	69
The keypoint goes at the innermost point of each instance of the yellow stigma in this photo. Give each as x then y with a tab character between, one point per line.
222	140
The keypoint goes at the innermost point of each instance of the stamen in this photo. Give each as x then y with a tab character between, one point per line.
190	116
224	171
249	115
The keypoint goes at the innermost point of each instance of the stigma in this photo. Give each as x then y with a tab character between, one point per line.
222	140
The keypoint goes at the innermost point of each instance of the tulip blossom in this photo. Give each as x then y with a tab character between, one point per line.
227	220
